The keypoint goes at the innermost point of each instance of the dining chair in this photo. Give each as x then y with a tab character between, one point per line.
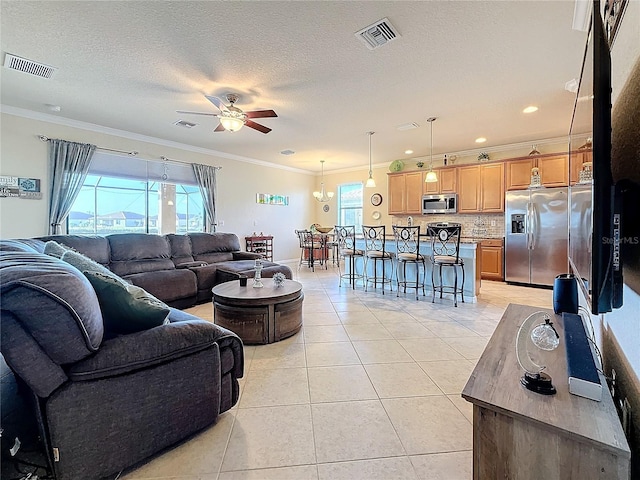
445	252
346	239
375	249
308	246
408	252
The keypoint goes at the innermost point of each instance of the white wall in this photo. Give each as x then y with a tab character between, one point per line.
23	154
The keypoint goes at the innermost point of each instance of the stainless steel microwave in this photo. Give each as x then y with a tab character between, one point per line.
446	203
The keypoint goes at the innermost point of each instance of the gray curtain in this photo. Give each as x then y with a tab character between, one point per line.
206	177
68	166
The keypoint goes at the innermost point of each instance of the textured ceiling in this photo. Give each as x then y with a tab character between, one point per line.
472	64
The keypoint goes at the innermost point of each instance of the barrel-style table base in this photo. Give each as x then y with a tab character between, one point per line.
259	315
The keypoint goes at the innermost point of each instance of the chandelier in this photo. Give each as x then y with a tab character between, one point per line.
431	176
370	181
322	195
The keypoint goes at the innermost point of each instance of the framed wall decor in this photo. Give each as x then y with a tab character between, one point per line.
269	199
376	199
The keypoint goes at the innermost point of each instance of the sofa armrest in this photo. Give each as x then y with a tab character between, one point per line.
192	264
246	255
129	353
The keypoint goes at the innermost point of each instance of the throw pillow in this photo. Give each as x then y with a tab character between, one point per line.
55	249
85	264
126	308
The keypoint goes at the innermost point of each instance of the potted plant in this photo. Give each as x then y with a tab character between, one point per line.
483	157
419	164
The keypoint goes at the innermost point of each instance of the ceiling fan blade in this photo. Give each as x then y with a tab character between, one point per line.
261	114
198	113
217	102
219	128
257	126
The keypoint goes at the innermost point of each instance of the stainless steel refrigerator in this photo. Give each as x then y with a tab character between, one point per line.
536	234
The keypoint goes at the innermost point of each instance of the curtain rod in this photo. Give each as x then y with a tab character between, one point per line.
166	159
132	153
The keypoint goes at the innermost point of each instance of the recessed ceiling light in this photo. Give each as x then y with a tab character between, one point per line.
530	109
287	152
481	140
408	152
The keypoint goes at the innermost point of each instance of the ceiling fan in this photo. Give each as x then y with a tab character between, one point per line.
232	118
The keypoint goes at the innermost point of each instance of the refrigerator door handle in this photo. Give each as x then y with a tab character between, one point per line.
534	226
527	225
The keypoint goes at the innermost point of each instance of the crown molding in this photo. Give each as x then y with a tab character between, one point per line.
92	127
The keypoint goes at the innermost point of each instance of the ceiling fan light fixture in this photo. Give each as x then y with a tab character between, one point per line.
431	176
231	123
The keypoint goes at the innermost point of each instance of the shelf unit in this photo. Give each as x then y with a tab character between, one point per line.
262	244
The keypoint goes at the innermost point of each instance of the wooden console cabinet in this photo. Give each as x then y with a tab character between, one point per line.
519	434
262	244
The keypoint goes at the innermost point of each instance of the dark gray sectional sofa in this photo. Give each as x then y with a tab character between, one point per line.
180	270
106	401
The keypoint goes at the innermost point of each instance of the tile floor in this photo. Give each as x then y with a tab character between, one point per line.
369	389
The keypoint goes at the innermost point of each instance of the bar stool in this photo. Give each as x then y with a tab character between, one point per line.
445	252
374	249
346	239
408	251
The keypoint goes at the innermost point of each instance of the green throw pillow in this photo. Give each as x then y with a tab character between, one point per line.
85	264
55	249
126	308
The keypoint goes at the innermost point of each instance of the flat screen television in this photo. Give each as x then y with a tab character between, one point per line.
594	226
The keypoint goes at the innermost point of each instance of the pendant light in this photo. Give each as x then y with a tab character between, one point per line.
370	181
322	195
431	176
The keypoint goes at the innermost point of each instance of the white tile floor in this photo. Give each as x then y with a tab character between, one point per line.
369	389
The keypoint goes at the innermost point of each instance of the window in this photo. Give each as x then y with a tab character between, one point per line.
118	197
350	205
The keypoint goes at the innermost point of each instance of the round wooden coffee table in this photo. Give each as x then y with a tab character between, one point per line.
259	315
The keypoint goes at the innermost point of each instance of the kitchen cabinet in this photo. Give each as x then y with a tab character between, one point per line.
492	259
578	158
405	193
481	188
519	174
447	182
553	170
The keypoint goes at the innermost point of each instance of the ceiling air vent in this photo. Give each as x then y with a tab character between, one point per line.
185	124
378	34
407	126
14	62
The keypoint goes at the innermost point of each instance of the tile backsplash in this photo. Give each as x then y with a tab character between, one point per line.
483	225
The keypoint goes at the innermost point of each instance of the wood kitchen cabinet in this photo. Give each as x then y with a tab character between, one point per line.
519	174
481	188
405	193
578	158
492	259
553	170
447	182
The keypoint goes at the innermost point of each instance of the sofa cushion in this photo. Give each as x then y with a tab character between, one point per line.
126	308
36	290
180	248
139	253
214	247
94	247
22	245
169	285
